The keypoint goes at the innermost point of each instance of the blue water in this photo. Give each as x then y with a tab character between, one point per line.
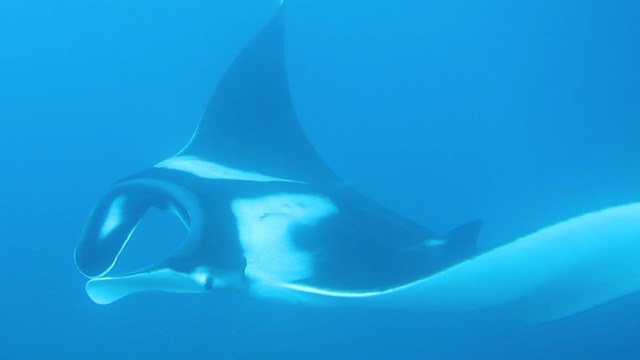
520	113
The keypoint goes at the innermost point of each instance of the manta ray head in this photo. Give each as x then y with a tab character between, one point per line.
203	262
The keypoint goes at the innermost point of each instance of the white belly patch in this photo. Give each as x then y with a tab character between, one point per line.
265	227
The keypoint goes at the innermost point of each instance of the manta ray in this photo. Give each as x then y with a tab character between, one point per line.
267	216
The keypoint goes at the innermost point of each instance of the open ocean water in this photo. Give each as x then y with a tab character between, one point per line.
520	113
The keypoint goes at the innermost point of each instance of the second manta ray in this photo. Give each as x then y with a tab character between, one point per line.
267	216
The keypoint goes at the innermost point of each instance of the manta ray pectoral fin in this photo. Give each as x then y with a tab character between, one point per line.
550	274
250	122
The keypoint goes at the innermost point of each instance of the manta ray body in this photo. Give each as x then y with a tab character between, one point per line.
263	210
267	216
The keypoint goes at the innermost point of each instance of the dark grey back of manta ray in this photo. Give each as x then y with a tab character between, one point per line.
250	125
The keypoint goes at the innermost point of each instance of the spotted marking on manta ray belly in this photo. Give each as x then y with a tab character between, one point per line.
210	170
265	226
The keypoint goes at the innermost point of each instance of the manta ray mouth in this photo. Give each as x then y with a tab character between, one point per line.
147	240
143	236
156	238
127	210
130	239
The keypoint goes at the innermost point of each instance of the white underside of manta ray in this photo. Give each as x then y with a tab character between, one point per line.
268	217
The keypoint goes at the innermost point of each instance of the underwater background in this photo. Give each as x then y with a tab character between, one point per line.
520	113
